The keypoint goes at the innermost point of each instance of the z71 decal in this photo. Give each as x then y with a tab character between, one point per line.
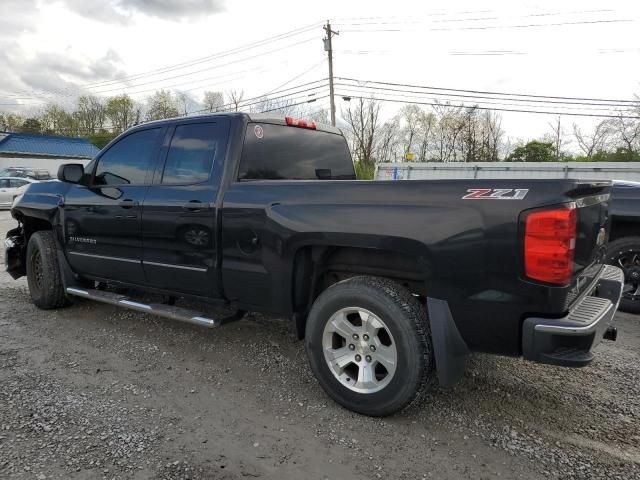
496	194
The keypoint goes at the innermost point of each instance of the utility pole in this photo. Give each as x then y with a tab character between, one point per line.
329	50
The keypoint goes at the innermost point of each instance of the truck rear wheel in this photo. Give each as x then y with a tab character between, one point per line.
625	254
369	344
43	271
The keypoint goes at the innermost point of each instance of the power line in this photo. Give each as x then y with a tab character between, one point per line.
190	63
448	101
435	104
427	87
484	97
496	27
312	67
262	98
295	104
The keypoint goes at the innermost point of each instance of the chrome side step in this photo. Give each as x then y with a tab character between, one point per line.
162	310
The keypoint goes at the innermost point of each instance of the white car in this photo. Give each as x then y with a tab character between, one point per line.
11	187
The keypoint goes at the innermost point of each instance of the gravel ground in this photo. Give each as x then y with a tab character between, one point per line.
92	391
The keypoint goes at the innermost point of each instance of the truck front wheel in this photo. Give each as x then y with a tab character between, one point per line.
369	344
43	271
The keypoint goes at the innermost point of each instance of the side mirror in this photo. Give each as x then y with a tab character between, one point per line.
71	172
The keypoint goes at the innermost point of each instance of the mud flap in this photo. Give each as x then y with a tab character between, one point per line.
449	348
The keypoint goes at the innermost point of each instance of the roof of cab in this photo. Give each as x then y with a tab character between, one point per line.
251	117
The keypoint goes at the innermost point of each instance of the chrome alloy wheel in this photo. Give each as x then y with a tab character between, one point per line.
359	350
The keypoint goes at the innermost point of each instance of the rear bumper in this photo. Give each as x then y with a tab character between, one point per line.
568	341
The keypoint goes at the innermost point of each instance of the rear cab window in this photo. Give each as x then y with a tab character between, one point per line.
282	152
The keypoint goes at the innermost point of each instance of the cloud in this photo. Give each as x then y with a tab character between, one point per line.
17	16
52	76
121	11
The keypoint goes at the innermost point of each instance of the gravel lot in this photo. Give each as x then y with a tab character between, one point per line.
92	391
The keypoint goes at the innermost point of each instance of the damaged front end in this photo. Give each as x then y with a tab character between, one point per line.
14	253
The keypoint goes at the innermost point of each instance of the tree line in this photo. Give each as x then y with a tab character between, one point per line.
440	133
446	133
101	119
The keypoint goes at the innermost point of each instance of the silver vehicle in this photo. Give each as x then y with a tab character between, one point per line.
26	172
11	187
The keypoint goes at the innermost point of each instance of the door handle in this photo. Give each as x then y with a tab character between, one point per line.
196	206
128	203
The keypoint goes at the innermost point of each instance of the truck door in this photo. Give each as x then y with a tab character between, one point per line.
101	221
179	214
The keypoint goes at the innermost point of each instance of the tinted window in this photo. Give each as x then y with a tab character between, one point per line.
18	183
191	153
4	183
275	152
128	160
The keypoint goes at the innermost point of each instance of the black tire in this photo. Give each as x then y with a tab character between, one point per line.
43	271
407	321
615	251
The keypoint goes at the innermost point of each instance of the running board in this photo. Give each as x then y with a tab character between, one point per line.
162	310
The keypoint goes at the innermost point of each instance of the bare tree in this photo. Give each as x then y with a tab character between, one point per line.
187	103
627	131
388	141
235	97
410	115
213	101
591	144
362	121
426	125
557	137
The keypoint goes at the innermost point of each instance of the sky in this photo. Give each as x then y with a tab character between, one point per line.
56	50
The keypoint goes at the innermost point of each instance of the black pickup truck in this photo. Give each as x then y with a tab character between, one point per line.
389	283
623	249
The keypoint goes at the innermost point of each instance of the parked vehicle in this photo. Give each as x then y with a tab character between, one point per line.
624	248
389	283
26	172
10	188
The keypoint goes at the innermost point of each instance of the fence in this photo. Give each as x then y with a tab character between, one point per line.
629	171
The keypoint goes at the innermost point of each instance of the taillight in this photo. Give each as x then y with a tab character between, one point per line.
294	122
549	244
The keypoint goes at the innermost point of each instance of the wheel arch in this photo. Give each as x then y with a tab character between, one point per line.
624	227
315	267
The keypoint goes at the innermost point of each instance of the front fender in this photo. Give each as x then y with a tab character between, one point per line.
14	253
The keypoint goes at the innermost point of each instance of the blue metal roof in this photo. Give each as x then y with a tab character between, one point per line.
46	145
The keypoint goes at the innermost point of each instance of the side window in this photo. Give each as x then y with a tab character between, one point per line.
275	152
127	161
191	153
18	183
4	183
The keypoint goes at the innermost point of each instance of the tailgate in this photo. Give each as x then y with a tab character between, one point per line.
592	201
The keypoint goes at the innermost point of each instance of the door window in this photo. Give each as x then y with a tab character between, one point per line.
127	161
4	183
18	183
191	153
